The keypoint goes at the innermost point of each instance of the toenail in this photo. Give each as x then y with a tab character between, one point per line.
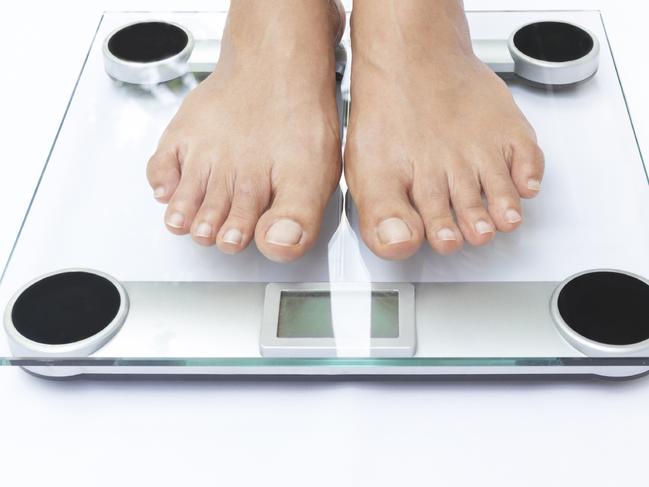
176	220
534	184
393	231
512	216
446	234
159	192
284	232
232	236
483	227
203	230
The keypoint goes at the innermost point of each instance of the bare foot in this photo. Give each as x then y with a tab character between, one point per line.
431	129
254	150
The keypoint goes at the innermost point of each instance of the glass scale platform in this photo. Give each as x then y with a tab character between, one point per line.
96	285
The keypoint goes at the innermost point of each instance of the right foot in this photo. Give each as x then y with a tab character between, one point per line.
431	130
254	150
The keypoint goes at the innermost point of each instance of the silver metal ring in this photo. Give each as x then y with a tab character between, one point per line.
22	346
145	73
555	73
585	345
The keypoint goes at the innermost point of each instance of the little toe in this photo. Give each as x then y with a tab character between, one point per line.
185	201
291	225
432	199
390	226
527	166
250	199
503	200
163	173
472	217
212	212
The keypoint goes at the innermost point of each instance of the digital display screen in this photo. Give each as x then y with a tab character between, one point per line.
308	314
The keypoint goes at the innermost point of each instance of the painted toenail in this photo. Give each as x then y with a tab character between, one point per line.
176	220
512	216
284	232
534	184
203	230
483	227
232	236
393	231
446	234
159	192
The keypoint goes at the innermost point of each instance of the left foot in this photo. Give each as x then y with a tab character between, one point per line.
431	129
254	150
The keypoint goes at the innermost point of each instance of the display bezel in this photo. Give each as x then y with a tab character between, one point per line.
271	345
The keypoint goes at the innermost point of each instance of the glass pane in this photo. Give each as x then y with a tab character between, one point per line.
159	301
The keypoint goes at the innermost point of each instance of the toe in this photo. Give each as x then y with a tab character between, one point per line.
212	212
472	217
291	225
250	198
186	200
390	225
527	165
432	199
503	200
163	173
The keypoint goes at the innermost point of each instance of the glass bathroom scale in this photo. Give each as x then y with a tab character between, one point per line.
96	285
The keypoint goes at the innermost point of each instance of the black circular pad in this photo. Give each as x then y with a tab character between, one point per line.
65	308
147	42
553	41
607	307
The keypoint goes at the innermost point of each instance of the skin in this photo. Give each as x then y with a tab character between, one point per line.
431	130
254	150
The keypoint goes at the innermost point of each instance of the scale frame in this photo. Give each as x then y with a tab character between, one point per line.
147	303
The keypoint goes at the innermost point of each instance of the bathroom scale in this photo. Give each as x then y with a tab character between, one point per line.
95	285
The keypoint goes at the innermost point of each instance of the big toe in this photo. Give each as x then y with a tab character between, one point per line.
290	227
390	225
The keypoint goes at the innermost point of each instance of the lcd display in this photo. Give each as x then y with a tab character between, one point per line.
308	314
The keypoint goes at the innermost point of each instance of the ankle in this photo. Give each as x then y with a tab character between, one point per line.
287	26
411	29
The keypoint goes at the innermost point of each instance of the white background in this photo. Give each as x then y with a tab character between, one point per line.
290	433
